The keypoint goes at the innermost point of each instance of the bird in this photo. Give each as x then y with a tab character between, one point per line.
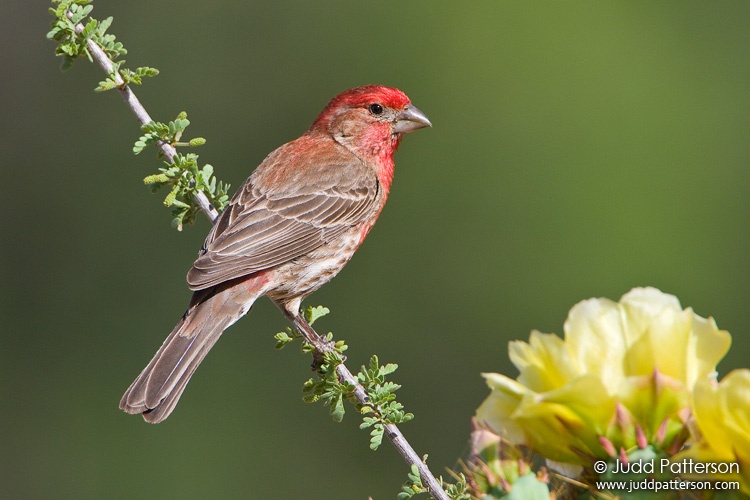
289	229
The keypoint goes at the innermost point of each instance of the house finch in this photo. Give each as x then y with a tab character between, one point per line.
290	228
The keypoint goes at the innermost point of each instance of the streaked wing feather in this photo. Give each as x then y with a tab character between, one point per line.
259	231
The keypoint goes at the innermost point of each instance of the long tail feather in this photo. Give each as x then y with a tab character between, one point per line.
159	386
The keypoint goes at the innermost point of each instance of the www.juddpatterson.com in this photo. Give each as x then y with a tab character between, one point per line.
673	484
663	467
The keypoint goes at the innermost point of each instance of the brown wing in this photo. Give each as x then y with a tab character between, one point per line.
263	227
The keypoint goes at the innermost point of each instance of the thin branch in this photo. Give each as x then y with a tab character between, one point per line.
310	335
141	114
391	430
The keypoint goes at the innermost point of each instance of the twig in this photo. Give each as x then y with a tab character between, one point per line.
310	335
391	430
141	115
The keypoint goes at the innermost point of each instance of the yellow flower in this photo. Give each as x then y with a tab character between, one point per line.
622	369
722	416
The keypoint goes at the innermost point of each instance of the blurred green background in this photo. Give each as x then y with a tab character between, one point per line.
579	149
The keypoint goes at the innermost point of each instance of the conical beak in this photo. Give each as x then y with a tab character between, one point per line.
410	119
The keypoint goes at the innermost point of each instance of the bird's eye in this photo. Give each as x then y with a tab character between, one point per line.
375	109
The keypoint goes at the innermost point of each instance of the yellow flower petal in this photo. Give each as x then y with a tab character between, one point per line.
544	362
722	414
596	340
639	357
497	409
708	346
564	425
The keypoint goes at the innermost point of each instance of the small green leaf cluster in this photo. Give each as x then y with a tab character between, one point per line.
414	486
327	387
72	45
169	133
184	177
382	409
286	337
459	490
128	76
311	314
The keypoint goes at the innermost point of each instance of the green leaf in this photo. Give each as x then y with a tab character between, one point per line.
376	436
107	84
181	204
146	71
388	369
312	314
55	32
88	30
104	25
374	364
368	422
205	176
337	408
413	485
414	476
